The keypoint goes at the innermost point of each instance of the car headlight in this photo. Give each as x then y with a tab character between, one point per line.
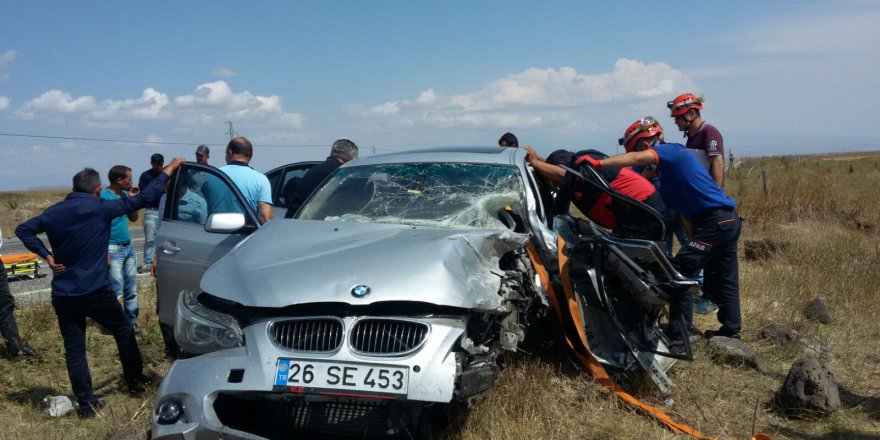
200	330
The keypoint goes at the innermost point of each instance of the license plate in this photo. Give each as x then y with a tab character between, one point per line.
296	375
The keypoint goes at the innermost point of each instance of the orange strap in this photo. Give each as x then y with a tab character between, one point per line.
580	347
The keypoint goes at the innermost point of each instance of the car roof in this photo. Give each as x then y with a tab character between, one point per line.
485	155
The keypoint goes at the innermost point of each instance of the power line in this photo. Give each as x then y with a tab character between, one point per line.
126	141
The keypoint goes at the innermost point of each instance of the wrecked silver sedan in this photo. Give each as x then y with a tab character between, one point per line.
396	289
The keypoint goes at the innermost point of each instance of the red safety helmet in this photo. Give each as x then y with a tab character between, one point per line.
646	127
682	103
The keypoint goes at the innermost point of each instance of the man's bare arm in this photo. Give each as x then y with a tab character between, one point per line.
716	169
265	212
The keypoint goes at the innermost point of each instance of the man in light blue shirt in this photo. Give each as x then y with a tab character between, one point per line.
252	184
123	258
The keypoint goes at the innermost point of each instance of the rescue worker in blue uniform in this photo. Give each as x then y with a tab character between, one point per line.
711	222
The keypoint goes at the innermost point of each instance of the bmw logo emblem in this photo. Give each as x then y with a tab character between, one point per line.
360	291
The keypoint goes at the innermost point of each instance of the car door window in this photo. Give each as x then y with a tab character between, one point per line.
288	183
198	192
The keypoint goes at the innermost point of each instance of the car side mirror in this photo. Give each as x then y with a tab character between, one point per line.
225	222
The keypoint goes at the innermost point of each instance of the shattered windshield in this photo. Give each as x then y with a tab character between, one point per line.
455	195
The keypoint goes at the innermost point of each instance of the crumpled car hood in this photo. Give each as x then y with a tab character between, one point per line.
301	261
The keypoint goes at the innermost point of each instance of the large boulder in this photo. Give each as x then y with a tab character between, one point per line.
810	389
816	310
786	337
734	352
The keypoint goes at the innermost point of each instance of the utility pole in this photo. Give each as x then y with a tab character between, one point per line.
231	132
374	149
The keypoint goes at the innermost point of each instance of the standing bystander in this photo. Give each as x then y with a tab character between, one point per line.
78	229
123	257
252	184
16	348
151	211
342	151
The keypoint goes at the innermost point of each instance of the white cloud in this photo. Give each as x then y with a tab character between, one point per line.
54	103
533	98
224	72
4	103
210	104
155	138
6	57
215	102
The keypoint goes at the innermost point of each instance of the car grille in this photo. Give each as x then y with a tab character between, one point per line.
387	336
309	335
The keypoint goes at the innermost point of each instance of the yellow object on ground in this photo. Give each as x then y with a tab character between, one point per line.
24	264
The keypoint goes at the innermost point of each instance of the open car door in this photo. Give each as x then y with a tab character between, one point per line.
197	195
284	181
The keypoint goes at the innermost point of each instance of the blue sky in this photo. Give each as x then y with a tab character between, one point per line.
779	78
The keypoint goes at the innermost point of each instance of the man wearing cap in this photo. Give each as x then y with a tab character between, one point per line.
197	180
203	153
711	221
151	211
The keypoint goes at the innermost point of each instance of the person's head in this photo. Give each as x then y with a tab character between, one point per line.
508	140
641	135
87	181
558	157
239	149
344	150
119	177
202	154
685	110
157	161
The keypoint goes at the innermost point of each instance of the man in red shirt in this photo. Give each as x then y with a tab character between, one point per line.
593	203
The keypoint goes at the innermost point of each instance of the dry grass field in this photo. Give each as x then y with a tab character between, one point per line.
825	209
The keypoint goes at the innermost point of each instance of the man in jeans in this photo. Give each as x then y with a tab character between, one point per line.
123	258
151	212
78	229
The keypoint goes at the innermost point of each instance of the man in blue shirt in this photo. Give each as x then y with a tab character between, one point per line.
151	212
123	258
254	186
711	222
78	229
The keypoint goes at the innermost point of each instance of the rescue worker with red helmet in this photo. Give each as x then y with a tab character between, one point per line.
711	220
703	139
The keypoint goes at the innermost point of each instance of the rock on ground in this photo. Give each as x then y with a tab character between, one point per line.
809	389
734	352
785	337
816	310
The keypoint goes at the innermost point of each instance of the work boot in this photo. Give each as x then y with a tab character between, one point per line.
88	411
723	331
22	351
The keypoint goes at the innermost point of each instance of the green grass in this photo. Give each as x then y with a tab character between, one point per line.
830	220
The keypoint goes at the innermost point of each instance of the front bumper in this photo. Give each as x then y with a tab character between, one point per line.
249	372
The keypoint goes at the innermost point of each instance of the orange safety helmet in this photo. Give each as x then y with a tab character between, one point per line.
646	127
682	103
